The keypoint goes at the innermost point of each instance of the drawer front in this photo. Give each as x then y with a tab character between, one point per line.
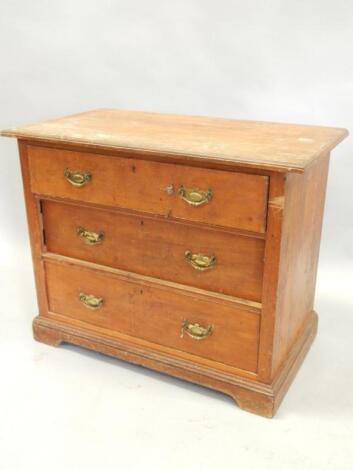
164	316
208	196
194	255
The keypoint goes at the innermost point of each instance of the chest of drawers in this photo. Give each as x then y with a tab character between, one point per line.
185	244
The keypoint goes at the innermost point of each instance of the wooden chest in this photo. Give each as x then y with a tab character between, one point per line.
185	244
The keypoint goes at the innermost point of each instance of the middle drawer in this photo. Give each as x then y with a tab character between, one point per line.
202	257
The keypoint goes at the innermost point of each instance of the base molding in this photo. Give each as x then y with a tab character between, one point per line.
250	395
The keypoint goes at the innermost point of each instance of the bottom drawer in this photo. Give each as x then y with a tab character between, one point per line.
227	333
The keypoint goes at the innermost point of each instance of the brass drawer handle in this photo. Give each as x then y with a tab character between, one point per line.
194	196
90	301
195	331
77	178
91	238
200	261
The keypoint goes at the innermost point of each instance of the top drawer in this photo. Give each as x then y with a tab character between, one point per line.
223	198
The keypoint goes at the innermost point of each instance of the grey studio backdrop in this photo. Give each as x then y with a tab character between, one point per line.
264	60
275	60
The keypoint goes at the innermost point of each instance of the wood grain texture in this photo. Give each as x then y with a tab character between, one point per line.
238	200
34	222
156	247
271	275
276	146
249	305
263	224
295	213
304	201
250	395
154	314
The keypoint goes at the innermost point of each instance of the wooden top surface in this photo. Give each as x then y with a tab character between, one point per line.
274	146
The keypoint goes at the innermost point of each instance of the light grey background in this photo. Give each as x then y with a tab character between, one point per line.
275	60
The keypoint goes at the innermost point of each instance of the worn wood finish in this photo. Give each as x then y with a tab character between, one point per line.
304	200
250	305
263	224
292	248
140	154
35	231
157	247
284	147
271	275
238	200
250	395
155	314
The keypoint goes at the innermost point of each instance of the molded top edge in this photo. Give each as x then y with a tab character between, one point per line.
272	146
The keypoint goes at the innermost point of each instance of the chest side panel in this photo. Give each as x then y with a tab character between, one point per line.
301	233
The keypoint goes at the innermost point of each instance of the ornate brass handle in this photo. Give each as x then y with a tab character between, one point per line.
90	301
91	238
200	261
195	331
194	196
77	178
